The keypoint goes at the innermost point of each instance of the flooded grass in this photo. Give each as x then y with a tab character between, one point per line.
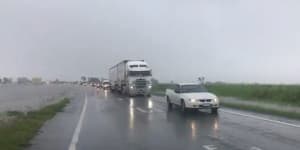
17	133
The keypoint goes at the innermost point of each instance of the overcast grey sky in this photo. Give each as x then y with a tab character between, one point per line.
223	40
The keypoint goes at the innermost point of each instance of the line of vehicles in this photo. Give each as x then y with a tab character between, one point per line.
105	84
133	77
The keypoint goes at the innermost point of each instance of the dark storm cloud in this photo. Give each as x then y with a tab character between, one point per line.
235	40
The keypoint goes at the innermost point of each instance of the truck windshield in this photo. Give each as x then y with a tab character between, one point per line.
192	88
139	73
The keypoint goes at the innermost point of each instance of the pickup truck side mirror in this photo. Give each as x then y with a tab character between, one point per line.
176	91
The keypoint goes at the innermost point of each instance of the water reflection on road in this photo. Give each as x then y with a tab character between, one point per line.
191	125
199	124
131	113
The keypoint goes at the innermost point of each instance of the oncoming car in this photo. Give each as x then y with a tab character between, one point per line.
106	85
192	96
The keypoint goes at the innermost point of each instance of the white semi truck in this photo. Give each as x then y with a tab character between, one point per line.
131	77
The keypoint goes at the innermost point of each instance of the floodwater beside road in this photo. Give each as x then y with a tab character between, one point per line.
14	97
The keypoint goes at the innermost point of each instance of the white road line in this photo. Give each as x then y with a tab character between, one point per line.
78	128
261	118
141	110
255	148
209	147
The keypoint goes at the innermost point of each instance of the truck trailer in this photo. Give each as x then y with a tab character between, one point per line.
131	77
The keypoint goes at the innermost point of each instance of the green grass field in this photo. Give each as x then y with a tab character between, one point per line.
282	94
160	89
16	133
277	112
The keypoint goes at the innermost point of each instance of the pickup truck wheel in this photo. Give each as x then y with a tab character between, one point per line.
170	105
182	107
214	110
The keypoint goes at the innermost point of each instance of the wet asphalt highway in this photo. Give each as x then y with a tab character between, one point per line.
114	122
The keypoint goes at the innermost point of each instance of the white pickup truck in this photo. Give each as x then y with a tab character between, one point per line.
191	96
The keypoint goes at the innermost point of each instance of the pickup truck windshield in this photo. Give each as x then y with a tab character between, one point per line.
192	88
139	73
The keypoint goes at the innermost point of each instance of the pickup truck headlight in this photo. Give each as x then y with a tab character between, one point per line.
192	100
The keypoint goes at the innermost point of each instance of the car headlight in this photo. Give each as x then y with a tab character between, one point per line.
150	86
192	100
131	87
216	100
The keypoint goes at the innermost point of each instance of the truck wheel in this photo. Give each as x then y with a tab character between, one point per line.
182	107
170	105
214	110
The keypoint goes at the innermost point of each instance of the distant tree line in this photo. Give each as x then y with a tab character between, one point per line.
6	80
21	80
34	81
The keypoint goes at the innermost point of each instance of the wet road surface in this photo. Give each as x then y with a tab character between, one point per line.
96	120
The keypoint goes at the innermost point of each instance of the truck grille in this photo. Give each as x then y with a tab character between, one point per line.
140	83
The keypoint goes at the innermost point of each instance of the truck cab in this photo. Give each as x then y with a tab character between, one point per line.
191	96
139	78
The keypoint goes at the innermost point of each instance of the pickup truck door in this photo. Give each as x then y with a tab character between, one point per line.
172	95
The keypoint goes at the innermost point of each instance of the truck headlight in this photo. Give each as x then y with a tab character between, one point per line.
192	100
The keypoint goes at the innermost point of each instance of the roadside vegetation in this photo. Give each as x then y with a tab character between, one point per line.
19	128
159	89
283	96
265	110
